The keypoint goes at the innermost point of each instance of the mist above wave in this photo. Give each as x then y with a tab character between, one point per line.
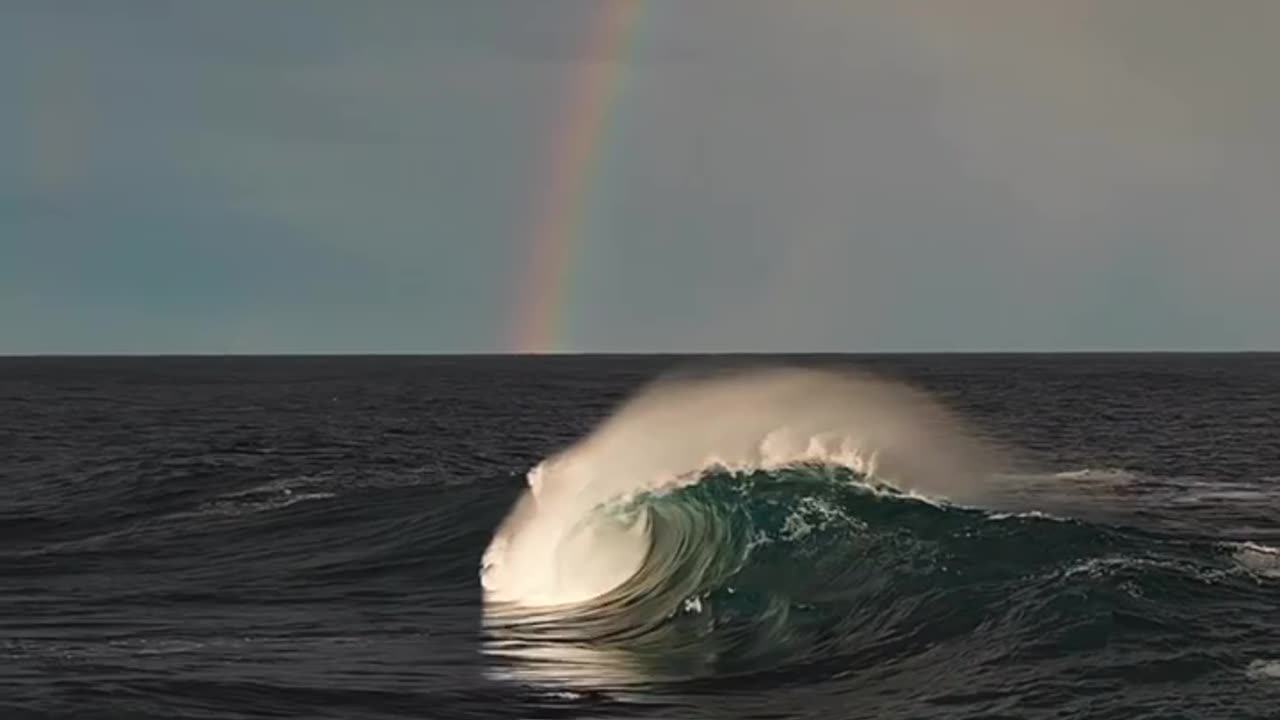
555	547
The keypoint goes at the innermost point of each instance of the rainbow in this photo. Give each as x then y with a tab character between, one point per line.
562	206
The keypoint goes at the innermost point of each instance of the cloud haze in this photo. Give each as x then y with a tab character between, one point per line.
896	175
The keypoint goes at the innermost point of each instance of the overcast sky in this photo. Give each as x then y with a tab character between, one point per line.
307	176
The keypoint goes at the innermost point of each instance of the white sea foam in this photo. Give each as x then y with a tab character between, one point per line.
812	514
1263	670
1249	558
1100	566
273	495
1107	566
1113	475
1258	559
1030	514
234	509
1200	492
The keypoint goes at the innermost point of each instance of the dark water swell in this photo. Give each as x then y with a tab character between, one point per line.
811	571
300	537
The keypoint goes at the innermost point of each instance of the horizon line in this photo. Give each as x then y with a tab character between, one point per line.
633	353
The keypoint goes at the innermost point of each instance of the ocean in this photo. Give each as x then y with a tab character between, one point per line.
362	537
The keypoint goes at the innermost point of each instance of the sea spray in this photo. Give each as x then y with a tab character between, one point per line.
556	548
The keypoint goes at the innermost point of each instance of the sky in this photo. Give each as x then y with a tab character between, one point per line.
819	175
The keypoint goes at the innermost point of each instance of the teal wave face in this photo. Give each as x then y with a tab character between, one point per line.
817	564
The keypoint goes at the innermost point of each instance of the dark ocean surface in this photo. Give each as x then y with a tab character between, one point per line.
302	537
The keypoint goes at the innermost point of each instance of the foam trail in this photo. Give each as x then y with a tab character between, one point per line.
556	548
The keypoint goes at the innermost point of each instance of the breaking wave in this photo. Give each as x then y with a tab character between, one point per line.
557	546
779	517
